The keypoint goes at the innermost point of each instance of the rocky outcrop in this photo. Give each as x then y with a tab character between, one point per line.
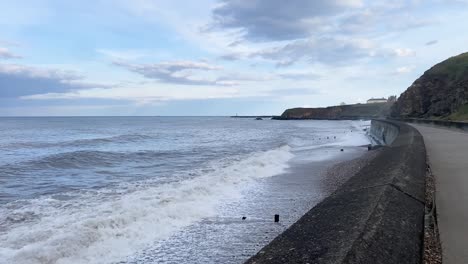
441	92
342	112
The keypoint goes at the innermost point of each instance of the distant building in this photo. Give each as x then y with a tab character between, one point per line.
376	100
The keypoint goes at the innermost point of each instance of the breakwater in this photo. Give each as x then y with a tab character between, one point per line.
375	217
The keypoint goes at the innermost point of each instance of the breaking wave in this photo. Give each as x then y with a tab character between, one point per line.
106	225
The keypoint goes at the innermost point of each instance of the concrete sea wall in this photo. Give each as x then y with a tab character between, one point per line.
384	132
375	217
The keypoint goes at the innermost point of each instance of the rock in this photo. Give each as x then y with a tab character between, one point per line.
439	93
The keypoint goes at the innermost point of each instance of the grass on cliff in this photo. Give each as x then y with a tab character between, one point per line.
460	115
369	110
455	68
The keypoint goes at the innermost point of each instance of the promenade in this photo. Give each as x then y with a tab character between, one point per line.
447	152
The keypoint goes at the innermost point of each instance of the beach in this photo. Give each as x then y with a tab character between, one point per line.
376	216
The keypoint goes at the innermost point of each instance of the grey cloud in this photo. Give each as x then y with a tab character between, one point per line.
432	42
326	50
273	20
378	20
277	19
325	31
358	22
231	57
235	43
177	72
17	80
405	23
7	54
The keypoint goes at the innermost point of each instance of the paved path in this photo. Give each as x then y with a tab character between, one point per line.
448	156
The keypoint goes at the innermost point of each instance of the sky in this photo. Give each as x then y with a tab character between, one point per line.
216	57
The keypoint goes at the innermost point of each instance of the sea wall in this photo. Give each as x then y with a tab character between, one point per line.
384	132
375	217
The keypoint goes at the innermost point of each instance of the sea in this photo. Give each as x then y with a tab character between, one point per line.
160	189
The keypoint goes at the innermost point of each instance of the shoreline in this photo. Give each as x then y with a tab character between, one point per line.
336	175
377	216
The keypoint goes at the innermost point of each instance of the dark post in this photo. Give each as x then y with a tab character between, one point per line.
276	218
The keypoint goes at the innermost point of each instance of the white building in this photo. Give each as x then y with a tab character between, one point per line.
376	100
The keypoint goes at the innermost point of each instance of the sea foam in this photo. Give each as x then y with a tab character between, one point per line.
106	225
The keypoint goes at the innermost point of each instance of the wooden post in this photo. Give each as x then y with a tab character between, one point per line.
276	218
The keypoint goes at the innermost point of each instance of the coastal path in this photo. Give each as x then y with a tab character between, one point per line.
447	152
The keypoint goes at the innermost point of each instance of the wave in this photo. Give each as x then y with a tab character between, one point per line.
130	138
95	159
354	136
120	139
106	225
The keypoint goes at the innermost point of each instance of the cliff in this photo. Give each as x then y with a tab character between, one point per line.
440	93
342	112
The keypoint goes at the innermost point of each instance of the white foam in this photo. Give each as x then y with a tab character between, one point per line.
326	143
107	225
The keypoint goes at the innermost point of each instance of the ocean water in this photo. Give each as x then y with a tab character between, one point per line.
160	189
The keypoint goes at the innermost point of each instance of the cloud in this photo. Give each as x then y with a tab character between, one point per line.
7	54
404	69
277	19
142	94
404	52
35	72
432	42
358	22
19	80
334	51
300	75
231	56
177	72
